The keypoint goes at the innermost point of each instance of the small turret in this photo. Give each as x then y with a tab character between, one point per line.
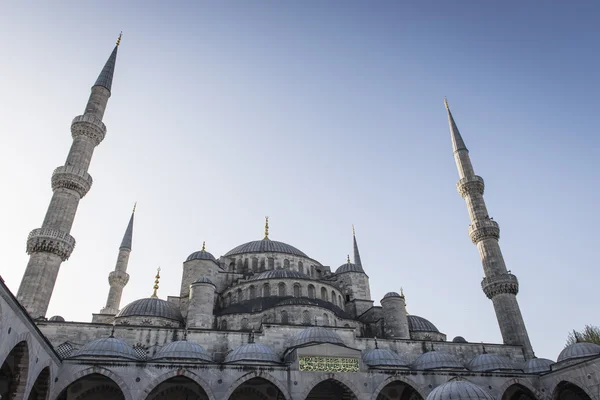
201	304
395	321
199	264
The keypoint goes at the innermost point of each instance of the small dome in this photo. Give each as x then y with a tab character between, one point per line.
419	324
436	360
391	294
57	318
537	365
349	267
151	307
280	274
459	339
384	357
265	246
183	349
315	334
201	255
489	362
578	350
252	352
107	347
203	280
459	390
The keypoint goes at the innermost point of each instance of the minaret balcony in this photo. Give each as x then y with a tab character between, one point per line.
495	285
484	229
69	177
50	241
470	185
90	126
118	279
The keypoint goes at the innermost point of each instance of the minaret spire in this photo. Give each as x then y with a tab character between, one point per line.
499	285
356	253
266	228
118	278
52	244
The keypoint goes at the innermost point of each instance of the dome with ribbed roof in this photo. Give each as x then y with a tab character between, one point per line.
437	360
384	358
579	350
459	339
316	334
252	352
151	307
57	318
265	246
280	274
183	349
204	279
391	294
349	267
537	365
201	255
420	324
459	390
107	347
489	362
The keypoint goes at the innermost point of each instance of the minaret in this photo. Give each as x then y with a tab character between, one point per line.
52	244
356	253
499	285
118	278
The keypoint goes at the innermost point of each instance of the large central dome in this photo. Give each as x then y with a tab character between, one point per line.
265	246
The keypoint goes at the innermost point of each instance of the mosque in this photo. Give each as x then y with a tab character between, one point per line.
264	321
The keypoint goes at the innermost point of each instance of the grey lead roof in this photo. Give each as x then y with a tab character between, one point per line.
106	76
201	255
279	274
151	307
265	246
128	236
107	347
457	140
436	360
315	334
578	350
459	390
252	352
420	324
537	365
384	357
349	267
357	260
490	362
183	349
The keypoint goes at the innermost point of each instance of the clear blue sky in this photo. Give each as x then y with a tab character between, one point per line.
320	116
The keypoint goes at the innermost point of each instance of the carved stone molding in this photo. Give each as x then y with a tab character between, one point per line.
470	185
90	126
50	241
484	229
118	278
505	283
69	177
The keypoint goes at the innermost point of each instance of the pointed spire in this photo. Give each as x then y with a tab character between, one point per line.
376	345
356	253
457	140
128	236
156	280
203	246
266	228
106	76
348	260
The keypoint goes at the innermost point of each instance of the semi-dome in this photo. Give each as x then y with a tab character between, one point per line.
107	347
391	294
183	349
579	350
420	324
315	334
280	274
459	390
489	362
265	246
384	357
459	339
537	365
151	307
436	360
349	267
57	318
204	280
201	255
252	352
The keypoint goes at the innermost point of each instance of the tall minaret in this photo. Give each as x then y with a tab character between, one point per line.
499	285
118	278
356	253
52	244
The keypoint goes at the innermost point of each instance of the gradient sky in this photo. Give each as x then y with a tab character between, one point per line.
320	115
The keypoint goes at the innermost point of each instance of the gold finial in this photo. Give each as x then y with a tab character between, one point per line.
204	246
156	279
348	259
134	206
401	292
446	103
266	228
119	38
353	231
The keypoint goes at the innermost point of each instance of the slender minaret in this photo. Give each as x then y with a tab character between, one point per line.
52	244
499	285
118	278
356	253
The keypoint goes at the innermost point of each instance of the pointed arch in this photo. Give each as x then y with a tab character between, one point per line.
337	379
566	386
179	372
419	389
14	370
257	374
96	370
515	386
41	386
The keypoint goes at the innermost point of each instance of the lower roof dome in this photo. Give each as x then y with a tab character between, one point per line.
437	360
252	352
489	362
349	267
316	334
279	274
537	365
107	347
183	349
459	390
579	350
151	307
384	357
420	324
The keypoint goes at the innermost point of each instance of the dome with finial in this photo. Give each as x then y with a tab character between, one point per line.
579	350
201	255
349	267
391	294
459	390
420	324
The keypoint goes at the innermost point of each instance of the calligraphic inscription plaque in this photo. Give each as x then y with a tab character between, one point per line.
329	364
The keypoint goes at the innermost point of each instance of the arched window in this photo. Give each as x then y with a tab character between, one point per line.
252	291
255	264
297	290
228	301
341	302
286	264
246	270
300	266
271	263
266	290
312	270
240	266
240	295
244	324
333	297
282	289
262	264
311	292
305	317
325	319
323	293
284	317
223	325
